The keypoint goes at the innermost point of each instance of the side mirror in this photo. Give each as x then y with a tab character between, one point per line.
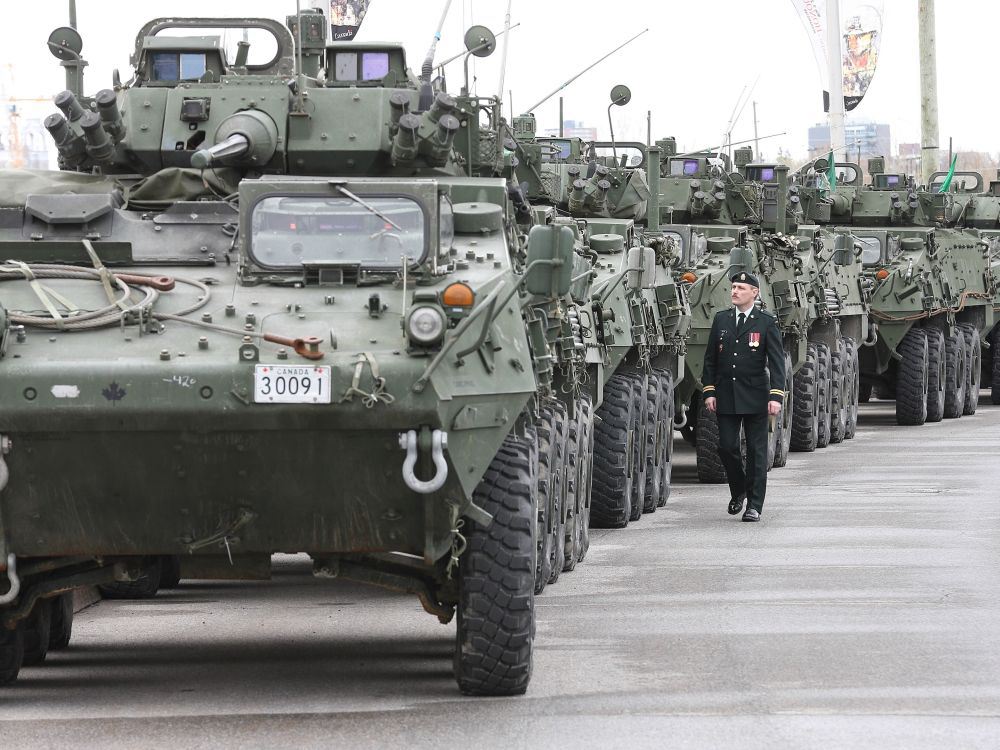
553	246
621	95
480	41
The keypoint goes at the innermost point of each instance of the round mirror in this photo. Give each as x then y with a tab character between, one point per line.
621	95
480	41
65	43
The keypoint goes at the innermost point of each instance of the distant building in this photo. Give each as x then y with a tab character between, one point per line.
872	137
574	129
24	142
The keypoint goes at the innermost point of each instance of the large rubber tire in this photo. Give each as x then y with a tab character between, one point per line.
558	530
665	435
11	653
839	391
973	367
936	374
853	388
170	571
144	587
710	468
574	457
61	629
912	379
650	443
785	418
586	481
638	443
611	500
955	378
805	404
995	352
37	629
545	490
824	390
496	585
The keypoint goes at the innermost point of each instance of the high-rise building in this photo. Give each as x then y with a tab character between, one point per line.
872	138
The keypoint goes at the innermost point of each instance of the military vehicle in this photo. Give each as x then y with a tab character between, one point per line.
933	288
725	220
254	279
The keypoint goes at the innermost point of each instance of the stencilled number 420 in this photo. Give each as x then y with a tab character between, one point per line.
184	381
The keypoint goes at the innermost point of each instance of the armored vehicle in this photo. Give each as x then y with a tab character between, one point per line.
306	300
933	289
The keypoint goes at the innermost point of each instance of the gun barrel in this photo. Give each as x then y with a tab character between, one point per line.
235	145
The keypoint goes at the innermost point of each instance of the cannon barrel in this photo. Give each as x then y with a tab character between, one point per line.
246	138
233	147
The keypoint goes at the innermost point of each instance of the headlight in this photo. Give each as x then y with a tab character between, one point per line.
425	325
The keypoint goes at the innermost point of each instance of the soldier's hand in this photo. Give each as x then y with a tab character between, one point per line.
774	408
710	403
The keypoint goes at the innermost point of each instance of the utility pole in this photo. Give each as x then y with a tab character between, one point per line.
835	67
929	160
756	140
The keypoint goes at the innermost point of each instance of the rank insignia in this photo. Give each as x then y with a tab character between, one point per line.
754	340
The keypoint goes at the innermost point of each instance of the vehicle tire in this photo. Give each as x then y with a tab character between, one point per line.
853	388
144	587
170	572
784	420
665	425
805	404
710	468
61	629
955	375
37	631
545	490
574	457
973	367
650	443
824	389
11	653
586	481
611	499
638	442
839	394
995	352
559	506
936	374
912	378
496	585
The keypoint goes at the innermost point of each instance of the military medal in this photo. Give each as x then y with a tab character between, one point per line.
754	340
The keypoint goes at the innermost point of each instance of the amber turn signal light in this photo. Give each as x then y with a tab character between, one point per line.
882	275
457	295
689	277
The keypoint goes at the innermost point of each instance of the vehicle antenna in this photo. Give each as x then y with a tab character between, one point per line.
503	56
593	64
734	143
426	95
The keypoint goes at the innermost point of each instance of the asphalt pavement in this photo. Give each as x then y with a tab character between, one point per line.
859	613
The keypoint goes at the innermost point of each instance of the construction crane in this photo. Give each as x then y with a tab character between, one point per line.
17	154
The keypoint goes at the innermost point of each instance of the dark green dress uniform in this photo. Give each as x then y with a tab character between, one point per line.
744	369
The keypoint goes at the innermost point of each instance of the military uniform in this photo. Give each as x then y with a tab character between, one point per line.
744	369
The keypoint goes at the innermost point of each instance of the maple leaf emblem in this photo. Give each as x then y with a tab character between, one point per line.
113	392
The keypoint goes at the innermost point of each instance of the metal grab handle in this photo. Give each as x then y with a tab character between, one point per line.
439	441
15	582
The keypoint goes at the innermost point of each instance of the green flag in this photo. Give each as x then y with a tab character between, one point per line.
951	173
831	172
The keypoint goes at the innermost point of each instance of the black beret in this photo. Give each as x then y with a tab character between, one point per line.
743	277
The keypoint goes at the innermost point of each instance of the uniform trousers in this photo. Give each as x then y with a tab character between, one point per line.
753	479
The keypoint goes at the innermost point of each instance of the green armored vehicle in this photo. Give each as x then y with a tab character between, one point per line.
933	289
290	315
724	221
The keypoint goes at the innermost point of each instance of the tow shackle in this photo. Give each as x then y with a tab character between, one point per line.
408	442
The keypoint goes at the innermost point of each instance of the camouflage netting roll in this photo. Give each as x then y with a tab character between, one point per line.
173	184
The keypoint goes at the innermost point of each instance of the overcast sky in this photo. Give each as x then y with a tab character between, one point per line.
688	69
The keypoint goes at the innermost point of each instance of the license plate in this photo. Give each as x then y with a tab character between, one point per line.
281	384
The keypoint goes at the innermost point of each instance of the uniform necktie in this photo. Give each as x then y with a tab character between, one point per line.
742	320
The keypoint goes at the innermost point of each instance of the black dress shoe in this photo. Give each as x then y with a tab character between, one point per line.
751	515
736	504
